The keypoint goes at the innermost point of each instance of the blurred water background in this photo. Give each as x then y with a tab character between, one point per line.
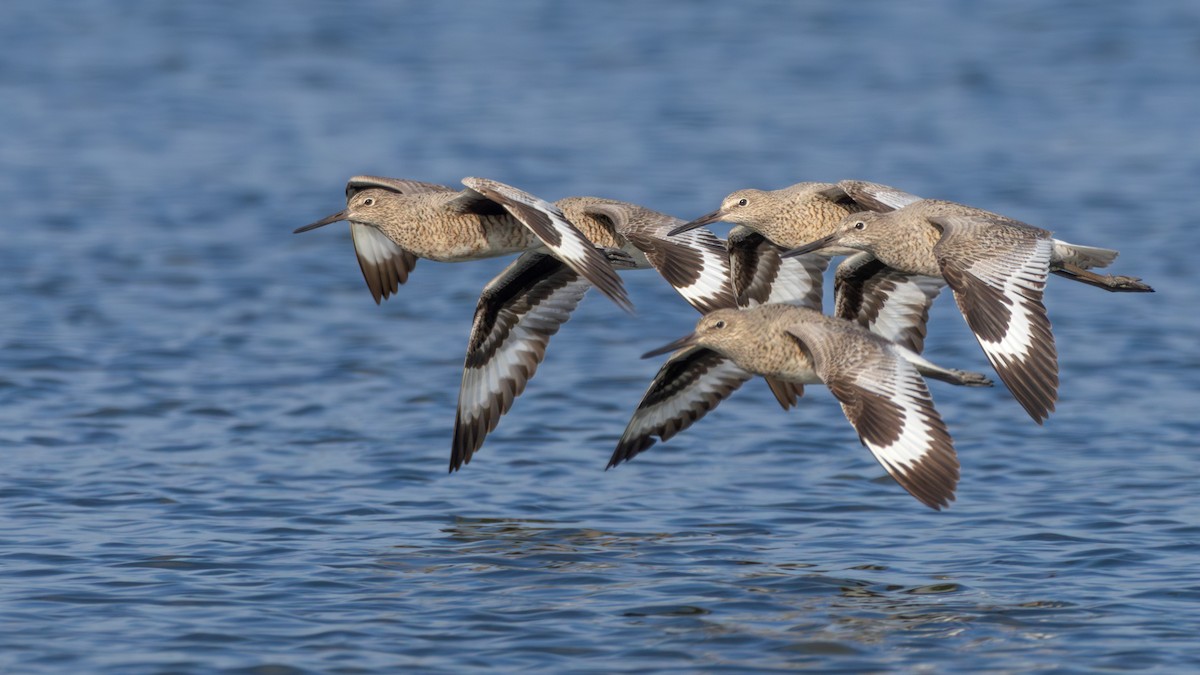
220	456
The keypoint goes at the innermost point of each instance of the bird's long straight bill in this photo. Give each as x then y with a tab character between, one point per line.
699	222
685	341
811	246
340	215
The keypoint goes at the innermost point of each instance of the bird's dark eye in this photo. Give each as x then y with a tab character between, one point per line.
368	201
742	202
719	324
859	225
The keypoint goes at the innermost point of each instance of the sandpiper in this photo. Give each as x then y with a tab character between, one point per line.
877	382
997	268
769	222
393	222
893	305
789	216
781	219
522	307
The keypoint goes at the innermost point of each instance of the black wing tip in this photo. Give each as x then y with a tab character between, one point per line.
787	394
621	300
628	450
936	502
935	491
937	494
460	456
467	441
620	455
1039	416
1038	411
384	282
605	279
1035	397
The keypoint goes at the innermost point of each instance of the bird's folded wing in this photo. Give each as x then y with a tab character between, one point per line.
400	185
557	233
876	197
695	262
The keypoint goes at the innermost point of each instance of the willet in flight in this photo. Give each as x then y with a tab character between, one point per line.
997	268
877	382
524	306
770	222
393	222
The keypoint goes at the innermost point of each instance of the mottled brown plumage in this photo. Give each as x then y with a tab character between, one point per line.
696	264
877	382
768	222
525	305
789	217
997	268
395	221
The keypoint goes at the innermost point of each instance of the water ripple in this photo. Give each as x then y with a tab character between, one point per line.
221	456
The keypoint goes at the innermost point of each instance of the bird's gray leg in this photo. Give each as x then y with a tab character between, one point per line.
1109	282
617	258
927	368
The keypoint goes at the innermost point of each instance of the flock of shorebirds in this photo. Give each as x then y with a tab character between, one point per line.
759	292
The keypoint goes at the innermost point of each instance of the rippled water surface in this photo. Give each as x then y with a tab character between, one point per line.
220	455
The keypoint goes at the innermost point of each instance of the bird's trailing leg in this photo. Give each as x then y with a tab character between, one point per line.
1109	282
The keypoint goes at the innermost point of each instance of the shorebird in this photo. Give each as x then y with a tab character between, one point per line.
522	307
877	382
787	217
997	268
770	222
393	222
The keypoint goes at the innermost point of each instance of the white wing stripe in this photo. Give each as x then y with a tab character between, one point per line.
651	419
713	280
799	281
572	247
915	440
1018	338
904	306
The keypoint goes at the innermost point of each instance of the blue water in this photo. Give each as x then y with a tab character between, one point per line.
219	455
